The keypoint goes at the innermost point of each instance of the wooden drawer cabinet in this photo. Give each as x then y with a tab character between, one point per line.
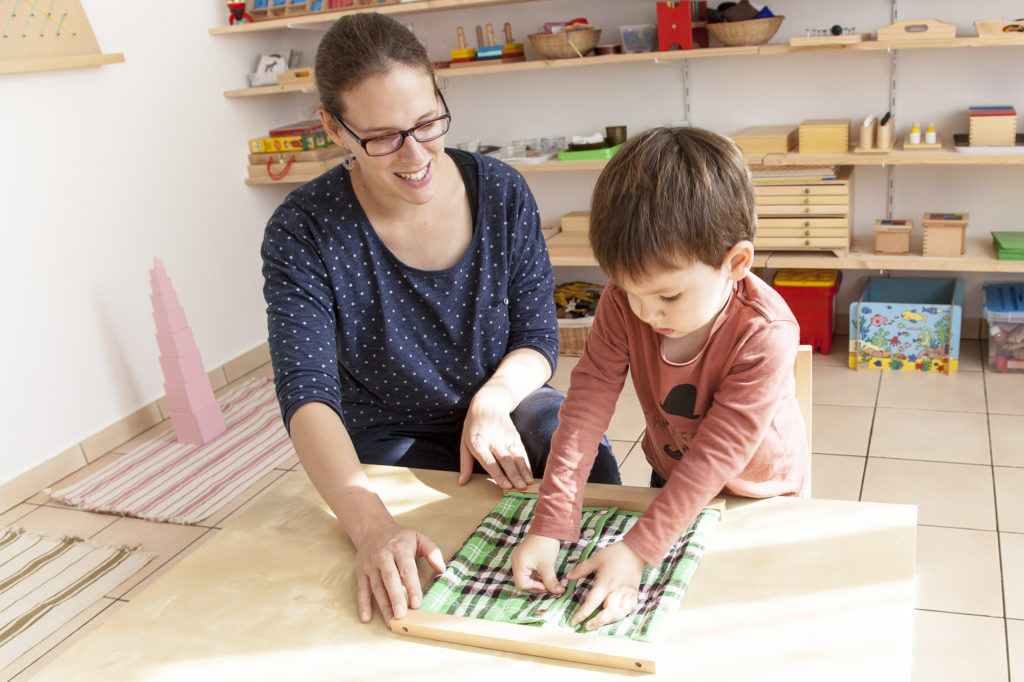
805	216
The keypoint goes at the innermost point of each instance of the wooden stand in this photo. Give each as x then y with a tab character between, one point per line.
922	146
915	31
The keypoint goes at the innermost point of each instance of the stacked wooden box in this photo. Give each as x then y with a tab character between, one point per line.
812	215
992	126
825	136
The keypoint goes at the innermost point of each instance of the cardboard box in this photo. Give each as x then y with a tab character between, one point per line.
767	139
907	324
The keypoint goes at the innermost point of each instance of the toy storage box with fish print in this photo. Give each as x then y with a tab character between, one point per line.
907	324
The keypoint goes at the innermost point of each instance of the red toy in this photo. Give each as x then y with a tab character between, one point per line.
238	13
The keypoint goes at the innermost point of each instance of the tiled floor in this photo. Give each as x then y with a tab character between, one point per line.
953	445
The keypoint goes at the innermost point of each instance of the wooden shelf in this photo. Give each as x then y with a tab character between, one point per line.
308	86
54	63
980	256
313	18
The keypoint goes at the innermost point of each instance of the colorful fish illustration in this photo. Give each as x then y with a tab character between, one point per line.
930	311
913	316
879	320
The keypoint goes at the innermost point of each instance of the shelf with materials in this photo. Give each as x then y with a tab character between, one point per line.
980	256
311	19
673	55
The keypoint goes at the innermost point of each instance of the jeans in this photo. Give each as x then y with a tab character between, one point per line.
436	446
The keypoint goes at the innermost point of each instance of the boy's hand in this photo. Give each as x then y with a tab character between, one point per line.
619	570
533	565
386	571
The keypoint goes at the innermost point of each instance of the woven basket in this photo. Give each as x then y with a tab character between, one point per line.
572	335
750	32
565	44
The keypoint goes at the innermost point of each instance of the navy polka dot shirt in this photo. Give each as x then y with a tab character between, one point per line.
384	343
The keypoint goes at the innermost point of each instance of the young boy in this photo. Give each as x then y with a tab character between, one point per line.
710	348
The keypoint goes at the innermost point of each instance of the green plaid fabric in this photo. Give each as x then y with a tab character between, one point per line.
478	580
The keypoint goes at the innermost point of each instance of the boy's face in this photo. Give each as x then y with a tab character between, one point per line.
679	301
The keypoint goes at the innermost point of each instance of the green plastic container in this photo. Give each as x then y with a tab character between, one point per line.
589	154
1009	245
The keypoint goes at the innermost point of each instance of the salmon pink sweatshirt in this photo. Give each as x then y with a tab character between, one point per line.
727	420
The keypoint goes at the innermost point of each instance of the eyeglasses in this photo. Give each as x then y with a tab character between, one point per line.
382	145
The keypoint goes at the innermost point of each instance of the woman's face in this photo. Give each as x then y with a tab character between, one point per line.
397	100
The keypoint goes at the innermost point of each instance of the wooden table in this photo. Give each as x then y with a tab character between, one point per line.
789	589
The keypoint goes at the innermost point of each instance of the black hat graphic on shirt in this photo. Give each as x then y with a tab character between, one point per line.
681	401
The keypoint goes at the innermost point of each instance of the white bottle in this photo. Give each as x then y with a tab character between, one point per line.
915	134
929	134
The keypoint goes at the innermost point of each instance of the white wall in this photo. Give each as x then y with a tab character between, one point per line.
105	168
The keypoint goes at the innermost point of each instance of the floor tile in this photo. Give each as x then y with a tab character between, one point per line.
958	570
621	449
560	379
836	477
841	429
1005	392
628	422
970	356
952	647
144	437
635	470
844	386
931	435
66	521
243	499
1010	498
1007	434
32	661
839	356
1012	547
262	372
1015	644
958	392
86	471
166	540
170	563
956	495
12	516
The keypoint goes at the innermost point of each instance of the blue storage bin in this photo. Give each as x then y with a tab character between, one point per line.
907	324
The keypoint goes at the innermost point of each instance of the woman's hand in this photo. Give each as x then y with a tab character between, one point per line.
533	564
386	569
490	437
616	584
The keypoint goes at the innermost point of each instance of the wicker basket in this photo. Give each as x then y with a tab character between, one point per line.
565	44
572	335
750	32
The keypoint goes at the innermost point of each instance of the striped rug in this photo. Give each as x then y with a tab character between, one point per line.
164	480
45	581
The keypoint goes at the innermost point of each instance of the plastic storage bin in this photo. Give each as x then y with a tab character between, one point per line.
1004	310
907	324
637	38
811	296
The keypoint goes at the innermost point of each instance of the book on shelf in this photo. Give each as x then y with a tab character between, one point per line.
804	173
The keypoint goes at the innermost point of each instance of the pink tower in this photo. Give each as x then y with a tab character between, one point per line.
195	413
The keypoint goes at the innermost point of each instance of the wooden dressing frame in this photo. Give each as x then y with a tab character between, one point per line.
610	652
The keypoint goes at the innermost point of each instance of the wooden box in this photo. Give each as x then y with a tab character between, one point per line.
576	221
825	136
805	216
767	139
893	236
945	234
992	127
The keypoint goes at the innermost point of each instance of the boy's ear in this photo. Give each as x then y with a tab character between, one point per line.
739	259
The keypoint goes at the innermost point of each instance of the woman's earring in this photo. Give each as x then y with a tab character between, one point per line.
349	160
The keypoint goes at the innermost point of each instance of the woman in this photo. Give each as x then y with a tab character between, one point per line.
410	307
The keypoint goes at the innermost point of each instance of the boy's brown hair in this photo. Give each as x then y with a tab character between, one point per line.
671	196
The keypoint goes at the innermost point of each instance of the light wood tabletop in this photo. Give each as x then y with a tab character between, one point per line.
789	589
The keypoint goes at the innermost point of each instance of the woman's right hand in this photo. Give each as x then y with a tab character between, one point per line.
386	570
